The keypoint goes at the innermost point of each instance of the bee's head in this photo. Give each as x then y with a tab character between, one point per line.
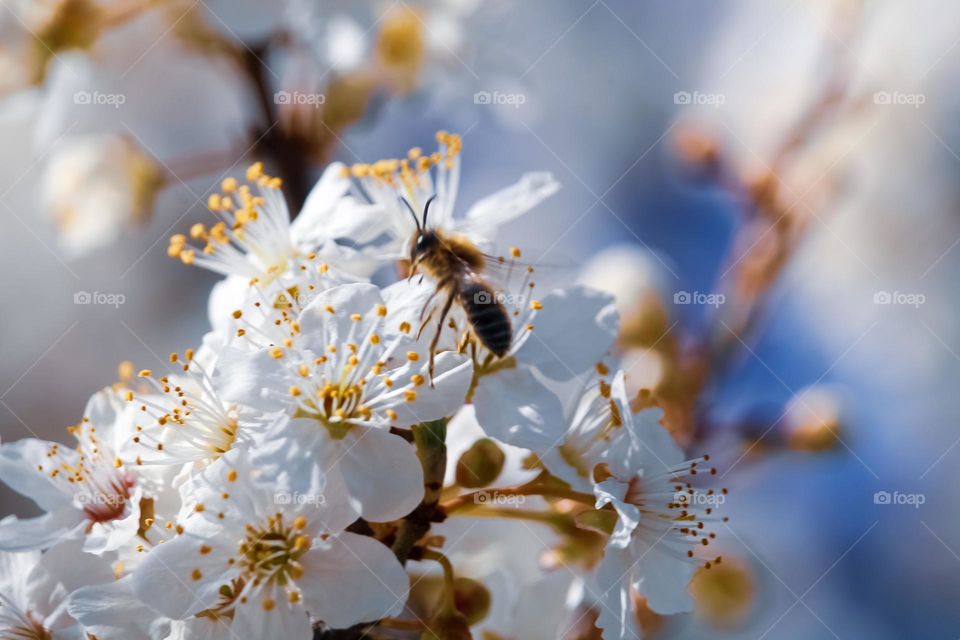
422	244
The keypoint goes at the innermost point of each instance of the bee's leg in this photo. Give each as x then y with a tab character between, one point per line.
424	316
436	337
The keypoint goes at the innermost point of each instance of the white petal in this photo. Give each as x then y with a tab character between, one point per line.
662	575
284	620
487	214
18	470
440	399
571	333
353	579
111	610
320	328
312	226
513	406
628	515
40	532
616	617
242	377
381	471
167	579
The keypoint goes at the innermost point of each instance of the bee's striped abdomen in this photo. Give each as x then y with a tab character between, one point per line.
487	317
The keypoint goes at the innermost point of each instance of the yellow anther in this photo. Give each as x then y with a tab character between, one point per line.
254	171
229	185
145	373
413	356
536	305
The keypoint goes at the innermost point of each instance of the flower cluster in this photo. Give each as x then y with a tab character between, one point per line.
339	454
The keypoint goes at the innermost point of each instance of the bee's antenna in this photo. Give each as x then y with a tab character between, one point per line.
426	209
413	213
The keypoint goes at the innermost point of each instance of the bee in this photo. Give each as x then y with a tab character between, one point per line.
457	265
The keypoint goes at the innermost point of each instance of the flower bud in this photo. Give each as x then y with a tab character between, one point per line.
472	599
480	465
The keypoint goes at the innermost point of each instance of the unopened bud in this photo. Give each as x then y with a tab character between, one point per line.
472	599
480	465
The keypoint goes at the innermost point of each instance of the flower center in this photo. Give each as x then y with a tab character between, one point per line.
271	550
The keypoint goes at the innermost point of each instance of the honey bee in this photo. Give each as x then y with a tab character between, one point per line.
457	265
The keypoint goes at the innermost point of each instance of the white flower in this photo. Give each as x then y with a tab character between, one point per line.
269	259
266	566
87	493
596	424
419	177
96	187
34	590
345	373
663	523
182	419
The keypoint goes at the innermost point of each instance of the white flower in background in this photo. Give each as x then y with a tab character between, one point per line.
266	566
663	524
346	372
87	493
34	588
15	48
407	46
419	177
96	187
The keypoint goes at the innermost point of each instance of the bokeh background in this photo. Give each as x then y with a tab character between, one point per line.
667	123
